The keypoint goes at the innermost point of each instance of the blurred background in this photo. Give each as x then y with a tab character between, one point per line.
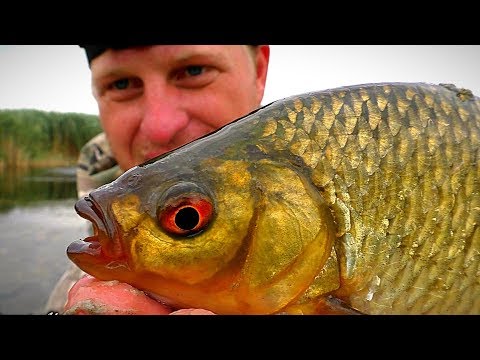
47	113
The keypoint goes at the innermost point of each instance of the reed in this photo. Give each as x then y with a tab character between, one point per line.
34	138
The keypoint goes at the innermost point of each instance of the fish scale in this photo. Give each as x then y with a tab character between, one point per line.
407	205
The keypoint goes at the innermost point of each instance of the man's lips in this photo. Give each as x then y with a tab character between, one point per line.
154	154
149	155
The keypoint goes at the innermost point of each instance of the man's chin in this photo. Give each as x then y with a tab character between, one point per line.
90	296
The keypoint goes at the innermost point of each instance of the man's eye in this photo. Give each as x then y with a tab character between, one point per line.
194	76
121	84
188	73
194	70
122	89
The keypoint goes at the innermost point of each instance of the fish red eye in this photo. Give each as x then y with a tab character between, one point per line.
186	215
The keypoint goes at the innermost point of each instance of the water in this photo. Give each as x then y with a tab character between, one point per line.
37	222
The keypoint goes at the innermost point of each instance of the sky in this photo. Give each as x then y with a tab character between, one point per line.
57	77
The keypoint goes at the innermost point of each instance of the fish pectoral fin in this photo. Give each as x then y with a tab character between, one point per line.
328	305
331	305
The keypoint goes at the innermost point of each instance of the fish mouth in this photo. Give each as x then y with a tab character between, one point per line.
102	245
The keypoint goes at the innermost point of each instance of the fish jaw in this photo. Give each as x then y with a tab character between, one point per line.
99	251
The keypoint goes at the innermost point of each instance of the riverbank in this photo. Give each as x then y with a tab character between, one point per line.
23	164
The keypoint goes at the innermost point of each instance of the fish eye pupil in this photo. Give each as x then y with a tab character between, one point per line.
187	218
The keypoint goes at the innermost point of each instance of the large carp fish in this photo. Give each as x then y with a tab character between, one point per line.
359	199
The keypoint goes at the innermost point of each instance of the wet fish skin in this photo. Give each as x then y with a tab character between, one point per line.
399	168
357	199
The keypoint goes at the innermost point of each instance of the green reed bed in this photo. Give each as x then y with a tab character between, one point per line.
34	138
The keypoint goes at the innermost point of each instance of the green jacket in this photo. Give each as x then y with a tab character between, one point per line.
96	165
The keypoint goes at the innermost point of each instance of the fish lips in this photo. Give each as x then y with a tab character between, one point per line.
102	245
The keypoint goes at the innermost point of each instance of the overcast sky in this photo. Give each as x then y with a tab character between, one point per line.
57	77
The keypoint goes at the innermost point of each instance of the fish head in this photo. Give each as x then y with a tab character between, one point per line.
223	228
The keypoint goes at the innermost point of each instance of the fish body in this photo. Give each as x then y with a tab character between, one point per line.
359	199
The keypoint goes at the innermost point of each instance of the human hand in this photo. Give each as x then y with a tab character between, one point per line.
90	296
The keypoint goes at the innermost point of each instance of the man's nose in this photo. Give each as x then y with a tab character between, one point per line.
163	117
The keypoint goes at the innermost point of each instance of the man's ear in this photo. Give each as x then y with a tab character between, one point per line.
261	62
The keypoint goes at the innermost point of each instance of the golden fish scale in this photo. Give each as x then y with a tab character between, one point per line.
398	166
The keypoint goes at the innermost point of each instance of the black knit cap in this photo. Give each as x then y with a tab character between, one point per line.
93	51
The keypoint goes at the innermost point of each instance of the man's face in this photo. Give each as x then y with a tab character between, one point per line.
154	99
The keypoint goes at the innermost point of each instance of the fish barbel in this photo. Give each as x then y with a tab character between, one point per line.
359	199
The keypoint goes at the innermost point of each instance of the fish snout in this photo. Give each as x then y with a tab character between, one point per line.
102	243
